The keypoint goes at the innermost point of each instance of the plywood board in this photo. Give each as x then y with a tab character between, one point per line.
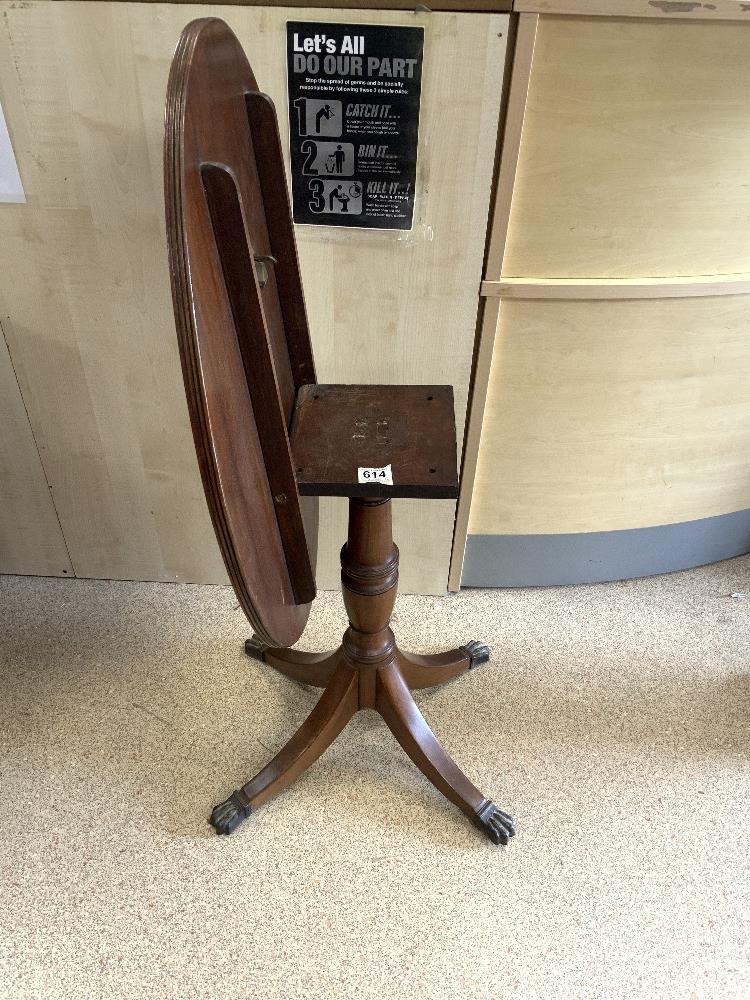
609	415
491	6
635	152
699	286
509	140
30	537
84	272
734	10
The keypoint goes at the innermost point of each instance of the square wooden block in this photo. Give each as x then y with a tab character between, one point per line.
339	429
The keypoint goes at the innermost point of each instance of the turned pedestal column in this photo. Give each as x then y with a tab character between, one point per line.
368	671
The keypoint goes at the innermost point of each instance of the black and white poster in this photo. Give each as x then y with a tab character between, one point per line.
354	92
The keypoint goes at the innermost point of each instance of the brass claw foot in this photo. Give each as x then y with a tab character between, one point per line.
228	815
477	652
495	823
256	648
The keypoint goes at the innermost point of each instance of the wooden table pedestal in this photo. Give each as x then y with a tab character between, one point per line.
368	670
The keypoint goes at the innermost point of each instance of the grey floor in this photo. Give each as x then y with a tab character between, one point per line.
613	722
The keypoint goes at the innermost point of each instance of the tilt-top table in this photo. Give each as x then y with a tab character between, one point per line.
270	440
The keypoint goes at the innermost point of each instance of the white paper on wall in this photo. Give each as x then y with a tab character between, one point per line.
11	188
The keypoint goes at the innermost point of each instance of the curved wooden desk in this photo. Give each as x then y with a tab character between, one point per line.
614	356
270	440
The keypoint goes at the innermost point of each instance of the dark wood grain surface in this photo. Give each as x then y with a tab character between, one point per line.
264	128
340	428
223	312
260	372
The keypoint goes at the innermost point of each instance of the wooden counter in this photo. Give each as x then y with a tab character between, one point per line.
615	355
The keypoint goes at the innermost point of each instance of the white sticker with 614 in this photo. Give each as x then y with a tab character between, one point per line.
383	477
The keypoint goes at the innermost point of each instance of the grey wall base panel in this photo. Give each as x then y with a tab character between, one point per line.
598	556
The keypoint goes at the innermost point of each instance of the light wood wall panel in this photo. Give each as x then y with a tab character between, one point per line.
673	10
635	152
30	537
608	415
83	270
